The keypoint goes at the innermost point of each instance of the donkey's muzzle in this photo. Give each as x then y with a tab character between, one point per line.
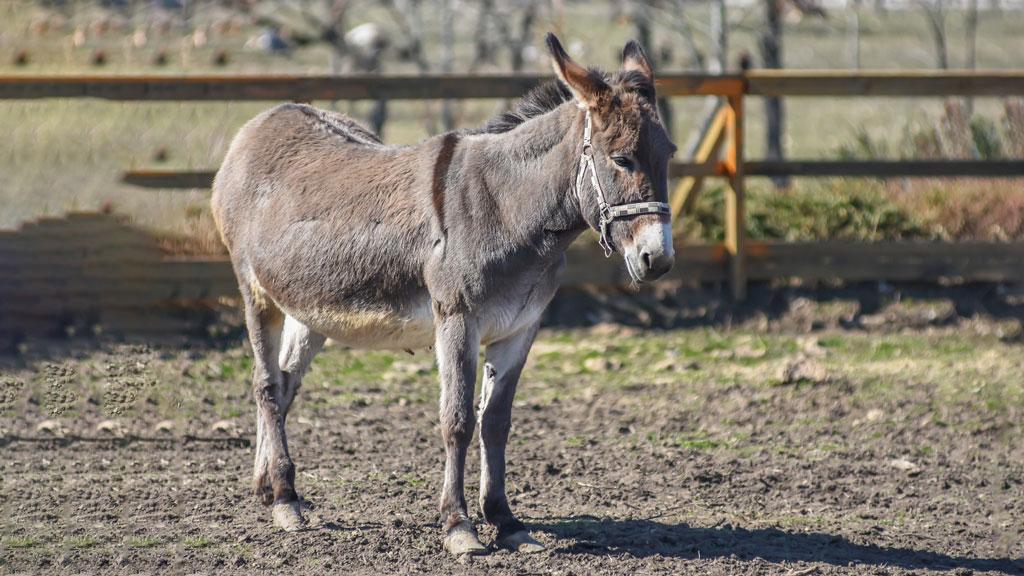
654	265
651	254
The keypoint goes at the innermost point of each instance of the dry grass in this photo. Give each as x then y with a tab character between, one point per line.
983	209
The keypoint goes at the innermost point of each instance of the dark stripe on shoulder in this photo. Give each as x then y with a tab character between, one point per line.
444	161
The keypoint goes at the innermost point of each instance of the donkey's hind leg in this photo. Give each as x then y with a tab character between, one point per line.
299	345
273	470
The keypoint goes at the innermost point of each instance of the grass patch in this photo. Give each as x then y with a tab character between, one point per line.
197	542
21	542
575	441
235	368
697	442
141	542
81	542
413	480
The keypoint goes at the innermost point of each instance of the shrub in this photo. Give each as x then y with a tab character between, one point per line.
832	209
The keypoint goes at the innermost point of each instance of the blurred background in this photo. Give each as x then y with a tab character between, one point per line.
60	155
860	412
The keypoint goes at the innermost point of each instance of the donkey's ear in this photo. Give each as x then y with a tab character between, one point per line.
586	85
635	60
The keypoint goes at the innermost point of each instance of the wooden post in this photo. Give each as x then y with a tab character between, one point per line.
707	150
735	210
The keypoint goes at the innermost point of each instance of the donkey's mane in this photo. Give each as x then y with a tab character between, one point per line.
551	95
539	101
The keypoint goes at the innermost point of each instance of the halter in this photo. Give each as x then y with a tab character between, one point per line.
608	212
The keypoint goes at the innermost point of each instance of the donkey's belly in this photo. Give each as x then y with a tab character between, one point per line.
406	329
409	329
409	325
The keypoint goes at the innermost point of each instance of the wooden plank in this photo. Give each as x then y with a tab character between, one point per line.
904	261
306	88
858	168
61	227
698	170
735	209
77	293
700	85
77	249
932	83
892	250
688	189
76	252
586	264
935	83
184	179
888	168
892	261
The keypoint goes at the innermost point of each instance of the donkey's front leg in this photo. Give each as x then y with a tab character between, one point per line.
505	361
457	345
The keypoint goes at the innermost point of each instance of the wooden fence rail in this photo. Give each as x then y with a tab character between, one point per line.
721	153
860	168
309	88
189	179
463	86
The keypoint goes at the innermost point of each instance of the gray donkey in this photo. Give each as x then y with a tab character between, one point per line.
456	242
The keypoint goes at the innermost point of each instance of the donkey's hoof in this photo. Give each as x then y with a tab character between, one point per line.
519	541
462	540
288	516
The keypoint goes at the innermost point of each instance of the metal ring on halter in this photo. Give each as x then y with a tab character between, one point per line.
606	212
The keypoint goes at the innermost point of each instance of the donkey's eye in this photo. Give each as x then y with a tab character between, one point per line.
623	162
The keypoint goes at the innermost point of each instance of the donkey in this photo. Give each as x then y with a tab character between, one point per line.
456	242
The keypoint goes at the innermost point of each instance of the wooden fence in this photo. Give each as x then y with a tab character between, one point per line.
720	155
89	273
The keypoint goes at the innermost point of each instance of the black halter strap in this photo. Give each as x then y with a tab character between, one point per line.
608	212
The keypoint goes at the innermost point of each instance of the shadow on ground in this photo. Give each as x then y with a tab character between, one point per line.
873	306
775	307
644	538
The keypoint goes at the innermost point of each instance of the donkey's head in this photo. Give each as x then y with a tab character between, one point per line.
630	151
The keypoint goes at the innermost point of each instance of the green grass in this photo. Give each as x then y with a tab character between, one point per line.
697	441
81	542
21	542
197	542
413	480
575	442
232	368
142	542
953	380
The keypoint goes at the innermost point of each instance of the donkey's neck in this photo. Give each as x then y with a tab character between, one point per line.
532	177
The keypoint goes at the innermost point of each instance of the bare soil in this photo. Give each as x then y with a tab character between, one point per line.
633	452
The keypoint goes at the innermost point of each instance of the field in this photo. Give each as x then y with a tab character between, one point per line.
64	154
792	435
890	449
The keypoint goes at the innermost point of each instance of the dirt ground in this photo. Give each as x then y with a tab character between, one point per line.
857	450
